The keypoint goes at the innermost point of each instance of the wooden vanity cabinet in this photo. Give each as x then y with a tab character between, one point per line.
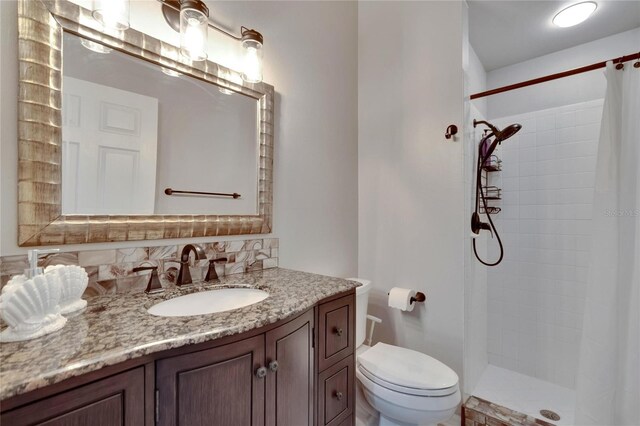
114	401
263	380
292	373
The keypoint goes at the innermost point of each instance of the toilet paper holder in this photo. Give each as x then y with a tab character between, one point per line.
419	297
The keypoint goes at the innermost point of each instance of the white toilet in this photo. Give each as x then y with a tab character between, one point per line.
406	387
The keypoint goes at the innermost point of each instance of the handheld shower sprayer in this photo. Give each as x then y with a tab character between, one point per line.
484	154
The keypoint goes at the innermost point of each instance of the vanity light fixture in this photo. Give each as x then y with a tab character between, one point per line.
193	44
95	47
252	67
194	20
574	14
112	14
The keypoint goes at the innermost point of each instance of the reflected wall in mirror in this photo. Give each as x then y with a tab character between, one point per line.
102	135
132	128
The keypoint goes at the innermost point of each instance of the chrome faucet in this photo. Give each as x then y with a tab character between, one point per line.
184	276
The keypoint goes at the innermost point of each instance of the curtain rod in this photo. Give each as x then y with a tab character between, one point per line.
555	76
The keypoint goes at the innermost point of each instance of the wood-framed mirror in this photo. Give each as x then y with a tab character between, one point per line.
42	218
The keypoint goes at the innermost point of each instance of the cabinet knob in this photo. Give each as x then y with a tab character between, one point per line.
273	366
338	331
338	396
261	372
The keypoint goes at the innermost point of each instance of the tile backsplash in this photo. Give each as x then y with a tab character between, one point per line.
111	271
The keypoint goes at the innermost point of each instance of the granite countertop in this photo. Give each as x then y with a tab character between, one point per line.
116	328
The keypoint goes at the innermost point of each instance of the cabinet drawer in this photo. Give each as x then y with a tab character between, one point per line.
336	331
336	393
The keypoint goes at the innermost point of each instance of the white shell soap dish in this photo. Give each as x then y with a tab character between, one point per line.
31	307
73	281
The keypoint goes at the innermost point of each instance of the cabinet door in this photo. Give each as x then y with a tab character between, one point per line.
290	386
114	401
216	386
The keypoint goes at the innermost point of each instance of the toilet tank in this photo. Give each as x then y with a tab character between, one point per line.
362	300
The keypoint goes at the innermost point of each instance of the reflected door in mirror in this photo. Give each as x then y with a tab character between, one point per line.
110	139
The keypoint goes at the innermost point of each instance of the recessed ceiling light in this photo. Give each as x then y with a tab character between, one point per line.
574	14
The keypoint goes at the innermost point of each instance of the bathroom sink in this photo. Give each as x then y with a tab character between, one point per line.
208	302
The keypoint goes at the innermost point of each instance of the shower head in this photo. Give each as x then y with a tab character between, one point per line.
499	135
508	131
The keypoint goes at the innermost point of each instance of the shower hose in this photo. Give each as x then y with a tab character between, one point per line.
492	226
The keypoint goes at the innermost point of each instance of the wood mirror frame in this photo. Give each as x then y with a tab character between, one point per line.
41	24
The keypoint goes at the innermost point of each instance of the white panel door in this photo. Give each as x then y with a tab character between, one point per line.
110	139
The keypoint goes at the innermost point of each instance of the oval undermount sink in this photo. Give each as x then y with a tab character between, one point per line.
208	302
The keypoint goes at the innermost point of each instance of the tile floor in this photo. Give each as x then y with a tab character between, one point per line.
526	394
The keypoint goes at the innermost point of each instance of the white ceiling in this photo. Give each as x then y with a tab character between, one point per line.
507	32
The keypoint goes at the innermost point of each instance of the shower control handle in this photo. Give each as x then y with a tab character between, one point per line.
477	225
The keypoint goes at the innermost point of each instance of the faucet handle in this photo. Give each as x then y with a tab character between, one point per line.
154	281
211	273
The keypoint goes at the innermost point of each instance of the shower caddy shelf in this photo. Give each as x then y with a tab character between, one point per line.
490	210
493	164
492	192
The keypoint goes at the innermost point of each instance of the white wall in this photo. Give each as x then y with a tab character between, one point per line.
314	72
536	295
579	88
475	274
476	81
411	221
475	290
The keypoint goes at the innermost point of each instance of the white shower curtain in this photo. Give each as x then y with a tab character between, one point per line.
608	382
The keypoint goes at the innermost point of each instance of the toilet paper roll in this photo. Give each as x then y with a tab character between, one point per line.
400	298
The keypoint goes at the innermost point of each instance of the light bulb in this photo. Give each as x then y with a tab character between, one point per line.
252	67
112	14
194	24
574	14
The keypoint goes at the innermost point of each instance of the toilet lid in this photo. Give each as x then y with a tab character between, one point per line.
407	368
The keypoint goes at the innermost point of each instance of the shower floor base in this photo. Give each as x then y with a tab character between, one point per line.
526	394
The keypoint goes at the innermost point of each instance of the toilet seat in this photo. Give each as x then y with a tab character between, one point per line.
404	389
406	371
407	401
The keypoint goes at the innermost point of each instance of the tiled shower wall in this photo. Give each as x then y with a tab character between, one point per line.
111	271
536	296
